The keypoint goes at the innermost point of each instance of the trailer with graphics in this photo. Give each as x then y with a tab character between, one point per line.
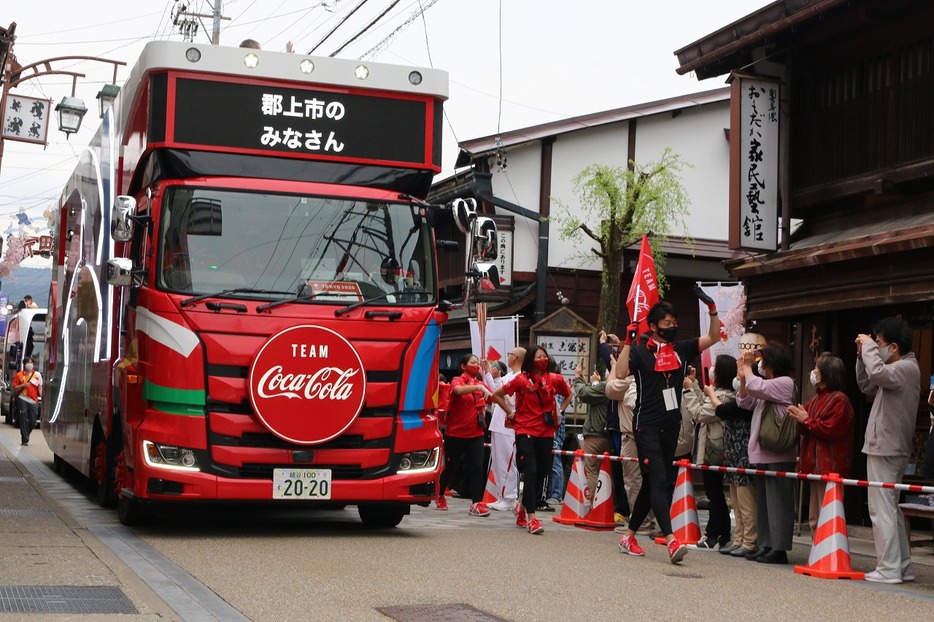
244	304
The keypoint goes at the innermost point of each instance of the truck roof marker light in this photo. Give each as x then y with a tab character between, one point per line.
193	54
307	65
362	72
415	78
251	60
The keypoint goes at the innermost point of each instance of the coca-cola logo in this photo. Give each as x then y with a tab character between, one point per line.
307	384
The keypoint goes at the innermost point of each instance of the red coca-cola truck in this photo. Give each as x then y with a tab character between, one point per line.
244	303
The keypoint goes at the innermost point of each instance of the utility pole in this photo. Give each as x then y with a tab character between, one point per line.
188	22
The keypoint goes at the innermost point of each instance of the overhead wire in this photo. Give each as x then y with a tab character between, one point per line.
365	28
339	24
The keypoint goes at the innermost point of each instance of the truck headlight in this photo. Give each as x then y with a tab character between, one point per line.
170	457
419	461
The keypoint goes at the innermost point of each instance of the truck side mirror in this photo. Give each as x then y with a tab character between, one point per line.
120	272
121	221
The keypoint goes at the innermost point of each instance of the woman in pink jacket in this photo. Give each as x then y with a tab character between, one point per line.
775	514
826	424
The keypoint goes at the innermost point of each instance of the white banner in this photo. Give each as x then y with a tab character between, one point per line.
731	309
500	337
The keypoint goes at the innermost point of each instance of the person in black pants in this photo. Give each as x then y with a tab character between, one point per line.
659	367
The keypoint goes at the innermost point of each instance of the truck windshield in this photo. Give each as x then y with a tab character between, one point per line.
321	249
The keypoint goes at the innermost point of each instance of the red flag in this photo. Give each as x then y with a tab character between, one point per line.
643	293
492	354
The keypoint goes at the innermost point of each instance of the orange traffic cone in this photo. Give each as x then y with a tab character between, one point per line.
600	516
489	493
684	508
830	551
575	505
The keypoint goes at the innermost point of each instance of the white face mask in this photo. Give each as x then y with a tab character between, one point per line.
761	369
736	384
885	354
29	366
813	377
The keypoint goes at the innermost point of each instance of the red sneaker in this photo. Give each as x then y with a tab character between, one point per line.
629	546
521	519
676	551
535	527
441	503
478	509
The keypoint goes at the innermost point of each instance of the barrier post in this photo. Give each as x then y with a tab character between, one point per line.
830	550
575	505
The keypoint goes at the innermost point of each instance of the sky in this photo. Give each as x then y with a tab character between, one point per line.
511	63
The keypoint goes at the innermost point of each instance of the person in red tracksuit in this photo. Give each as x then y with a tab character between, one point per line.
463	439
535	420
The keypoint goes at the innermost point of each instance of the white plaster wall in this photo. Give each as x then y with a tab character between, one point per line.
572	153
518	184
697	135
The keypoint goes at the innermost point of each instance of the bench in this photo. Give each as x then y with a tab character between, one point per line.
916	509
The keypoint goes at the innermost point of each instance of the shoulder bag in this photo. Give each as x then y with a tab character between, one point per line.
777	435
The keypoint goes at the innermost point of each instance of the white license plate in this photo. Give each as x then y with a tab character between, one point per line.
301	483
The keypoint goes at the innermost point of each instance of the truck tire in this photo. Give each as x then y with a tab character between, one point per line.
382	516
130	511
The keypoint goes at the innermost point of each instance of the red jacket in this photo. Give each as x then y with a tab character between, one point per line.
534	396
827	434
465	413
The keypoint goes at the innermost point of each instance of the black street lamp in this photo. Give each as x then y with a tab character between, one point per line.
70	111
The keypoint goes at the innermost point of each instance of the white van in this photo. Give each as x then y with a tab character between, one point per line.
25	336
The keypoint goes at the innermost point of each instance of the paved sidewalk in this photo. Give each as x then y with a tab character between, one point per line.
61	553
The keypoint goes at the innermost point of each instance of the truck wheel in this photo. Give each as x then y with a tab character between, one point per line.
382	516
103	474
130	511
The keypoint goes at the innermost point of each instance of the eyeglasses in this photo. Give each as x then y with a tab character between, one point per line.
750	346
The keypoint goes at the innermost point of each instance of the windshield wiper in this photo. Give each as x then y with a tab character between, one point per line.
360	303
229	292
285	301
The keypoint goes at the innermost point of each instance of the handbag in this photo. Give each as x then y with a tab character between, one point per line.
713	451
775	435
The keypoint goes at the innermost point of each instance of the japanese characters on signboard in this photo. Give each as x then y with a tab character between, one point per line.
26	119
756	193
504	257
301	122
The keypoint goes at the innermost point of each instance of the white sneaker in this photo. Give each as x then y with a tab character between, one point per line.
908	574
503	505
877	577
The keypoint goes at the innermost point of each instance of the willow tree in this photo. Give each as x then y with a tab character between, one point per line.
615	207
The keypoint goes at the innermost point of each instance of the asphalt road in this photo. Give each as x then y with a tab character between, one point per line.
286	563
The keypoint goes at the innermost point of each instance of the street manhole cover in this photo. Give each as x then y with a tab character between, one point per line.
434	613
63	599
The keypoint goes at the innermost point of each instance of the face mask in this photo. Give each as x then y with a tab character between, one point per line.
813	377
472	369
668	334
885	354
761	369
736	384
541	364
28	366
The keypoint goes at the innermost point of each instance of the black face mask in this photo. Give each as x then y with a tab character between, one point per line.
668	334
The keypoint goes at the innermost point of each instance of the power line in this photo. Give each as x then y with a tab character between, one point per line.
365	28
339	24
